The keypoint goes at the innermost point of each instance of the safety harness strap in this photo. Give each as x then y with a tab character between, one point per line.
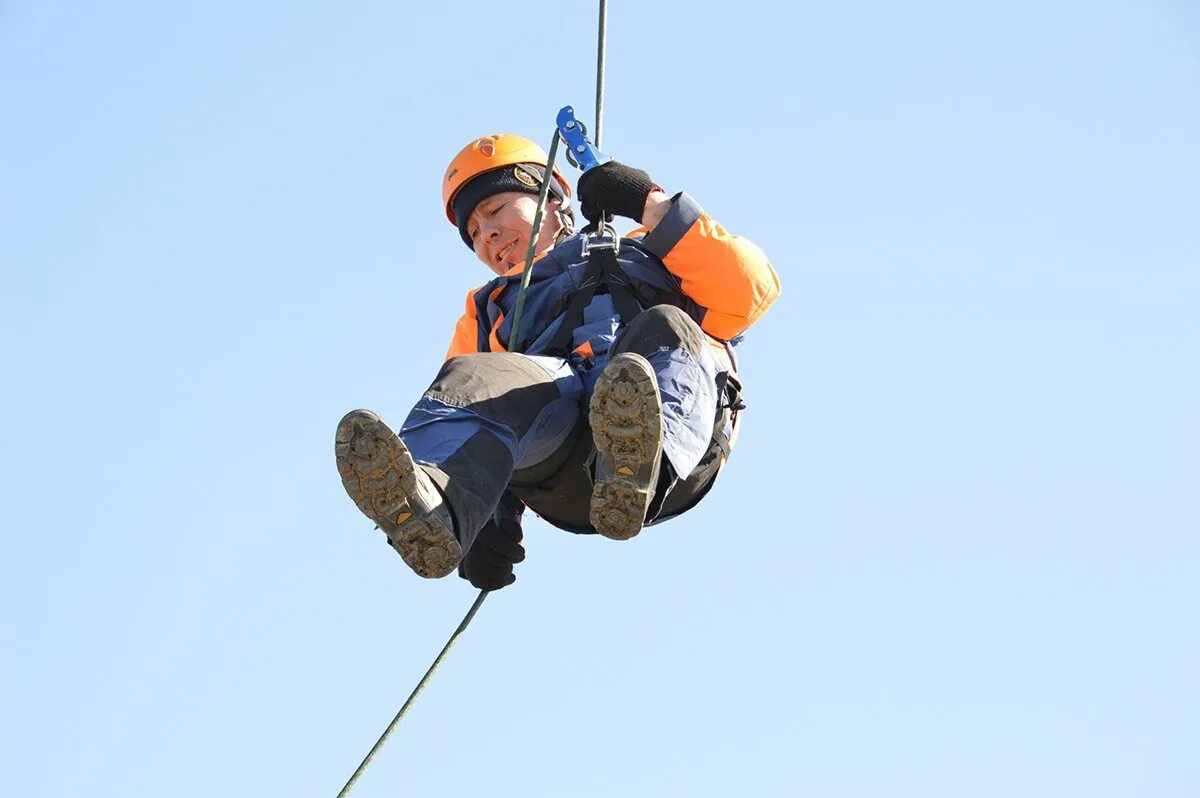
602	271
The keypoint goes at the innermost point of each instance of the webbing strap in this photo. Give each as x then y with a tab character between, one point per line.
602	270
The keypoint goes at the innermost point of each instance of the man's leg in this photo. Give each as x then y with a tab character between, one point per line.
652	415
484	416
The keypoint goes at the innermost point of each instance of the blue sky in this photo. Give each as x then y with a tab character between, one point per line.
955	552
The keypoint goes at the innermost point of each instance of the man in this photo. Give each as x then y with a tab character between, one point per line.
615	404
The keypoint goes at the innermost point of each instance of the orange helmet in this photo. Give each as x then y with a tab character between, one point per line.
487	153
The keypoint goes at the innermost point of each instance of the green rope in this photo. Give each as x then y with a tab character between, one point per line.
600	70
514	337
416	692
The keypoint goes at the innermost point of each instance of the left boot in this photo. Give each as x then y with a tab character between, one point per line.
627	428
381	477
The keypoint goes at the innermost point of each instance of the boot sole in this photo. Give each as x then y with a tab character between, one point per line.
626	420
379	474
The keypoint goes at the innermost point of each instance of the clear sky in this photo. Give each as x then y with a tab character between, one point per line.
955	552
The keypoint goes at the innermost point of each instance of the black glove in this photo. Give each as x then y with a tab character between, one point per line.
614	188
488	564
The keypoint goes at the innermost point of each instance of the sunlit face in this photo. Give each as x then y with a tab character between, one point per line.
500	227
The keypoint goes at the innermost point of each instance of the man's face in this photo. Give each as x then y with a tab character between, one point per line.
500	227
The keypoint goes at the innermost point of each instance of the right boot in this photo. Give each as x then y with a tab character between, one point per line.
381	477
627	428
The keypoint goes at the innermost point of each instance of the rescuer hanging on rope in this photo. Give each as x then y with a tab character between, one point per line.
612	408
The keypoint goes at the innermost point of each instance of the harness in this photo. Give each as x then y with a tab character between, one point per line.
603	274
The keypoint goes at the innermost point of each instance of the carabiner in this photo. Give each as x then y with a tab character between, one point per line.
605	237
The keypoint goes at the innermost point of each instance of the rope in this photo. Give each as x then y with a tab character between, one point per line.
514	337
600	70
416	692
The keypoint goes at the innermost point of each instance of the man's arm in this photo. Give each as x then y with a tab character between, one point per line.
657	205
727	275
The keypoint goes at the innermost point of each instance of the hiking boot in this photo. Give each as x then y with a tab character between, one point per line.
393	491
626	419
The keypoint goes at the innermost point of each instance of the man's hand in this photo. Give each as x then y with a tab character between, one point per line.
488	564
621	190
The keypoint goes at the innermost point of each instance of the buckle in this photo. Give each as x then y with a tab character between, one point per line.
605	237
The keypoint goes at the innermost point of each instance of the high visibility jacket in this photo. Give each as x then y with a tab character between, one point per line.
723	281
